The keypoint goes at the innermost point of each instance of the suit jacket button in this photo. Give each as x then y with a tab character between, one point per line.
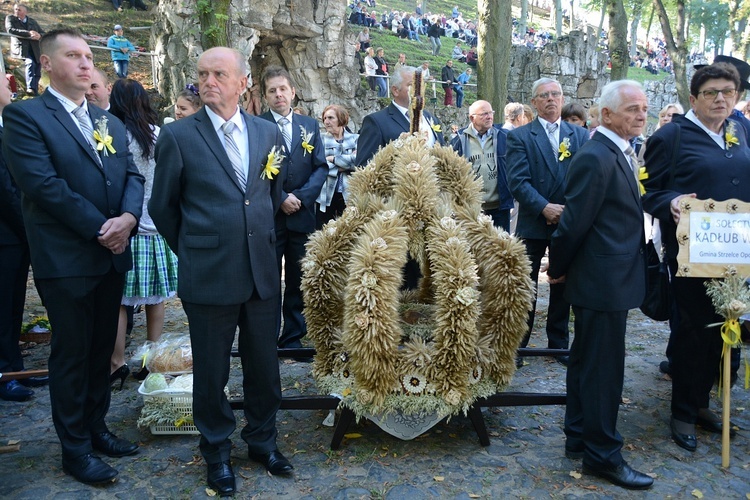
250	233
247	203
735	181
109	183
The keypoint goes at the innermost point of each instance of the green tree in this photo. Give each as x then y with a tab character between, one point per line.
214	20
675	36
493	51
618	39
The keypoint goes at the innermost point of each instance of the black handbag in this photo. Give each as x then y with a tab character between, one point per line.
657	304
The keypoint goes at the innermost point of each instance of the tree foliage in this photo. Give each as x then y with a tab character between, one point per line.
493	51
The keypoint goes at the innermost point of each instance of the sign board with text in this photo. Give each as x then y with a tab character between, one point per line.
713	235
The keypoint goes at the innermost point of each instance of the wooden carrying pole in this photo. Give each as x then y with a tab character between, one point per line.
5	377
725	407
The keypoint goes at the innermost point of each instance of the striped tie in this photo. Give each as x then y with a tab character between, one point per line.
87	129
283	122
233	152
551	129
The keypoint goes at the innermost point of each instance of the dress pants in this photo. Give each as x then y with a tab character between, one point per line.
14	272
333	211
558	313
500	218
33	74
212	331
448	101
594	385
83	312
696	350
291	246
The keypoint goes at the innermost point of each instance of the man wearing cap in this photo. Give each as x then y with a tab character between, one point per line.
121	49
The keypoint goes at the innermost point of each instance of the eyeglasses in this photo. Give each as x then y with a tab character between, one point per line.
711	94
485	114
545	95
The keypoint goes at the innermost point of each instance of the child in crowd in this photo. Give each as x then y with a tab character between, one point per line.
574	113
121	51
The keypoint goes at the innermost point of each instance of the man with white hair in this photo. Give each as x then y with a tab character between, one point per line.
601	258
514	116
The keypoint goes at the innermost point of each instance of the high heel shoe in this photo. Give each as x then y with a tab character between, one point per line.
121	373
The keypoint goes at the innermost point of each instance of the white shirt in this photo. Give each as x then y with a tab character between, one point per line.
288	126
557	132
620	143
424	125
717	138
239	133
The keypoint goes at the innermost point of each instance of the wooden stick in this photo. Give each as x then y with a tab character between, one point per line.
725	406
21	375
10	448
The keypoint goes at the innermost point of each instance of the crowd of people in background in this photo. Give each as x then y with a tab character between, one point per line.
132	247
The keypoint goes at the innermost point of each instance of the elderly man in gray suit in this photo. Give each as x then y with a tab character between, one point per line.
214	200
539	155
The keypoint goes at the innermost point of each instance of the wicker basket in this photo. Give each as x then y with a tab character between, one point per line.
181	401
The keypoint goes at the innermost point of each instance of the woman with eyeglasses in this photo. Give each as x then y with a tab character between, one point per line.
703	154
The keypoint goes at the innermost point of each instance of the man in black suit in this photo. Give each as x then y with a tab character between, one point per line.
386	125
24	44
598	249
14	272
303	179
537	167
80	207
214	200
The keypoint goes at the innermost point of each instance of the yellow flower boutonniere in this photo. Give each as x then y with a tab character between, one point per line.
564	149
273	164
102	137
730	135
306	137
435	126
642	176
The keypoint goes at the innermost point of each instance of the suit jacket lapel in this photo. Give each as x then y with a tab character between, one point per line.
207	131
257	163
623	164
67	121
96	113
541	139
398	117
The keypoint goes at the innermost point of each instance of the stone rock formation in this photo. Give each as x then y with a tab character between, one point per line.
310	38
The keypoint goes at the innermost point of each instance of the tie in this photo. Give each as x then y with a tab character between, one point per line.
551	129
283	122
233	152
633	159
88	131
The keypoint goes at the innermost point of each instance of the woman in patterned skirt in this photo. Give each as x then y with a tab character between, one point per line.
153	278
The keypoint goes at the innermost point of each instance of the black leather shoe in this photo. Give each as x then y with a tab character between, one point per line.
13	391
665	367
685	440
519	363
563	360
221	478
34	381
621	475
89	469
712	423
273	461
112	446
